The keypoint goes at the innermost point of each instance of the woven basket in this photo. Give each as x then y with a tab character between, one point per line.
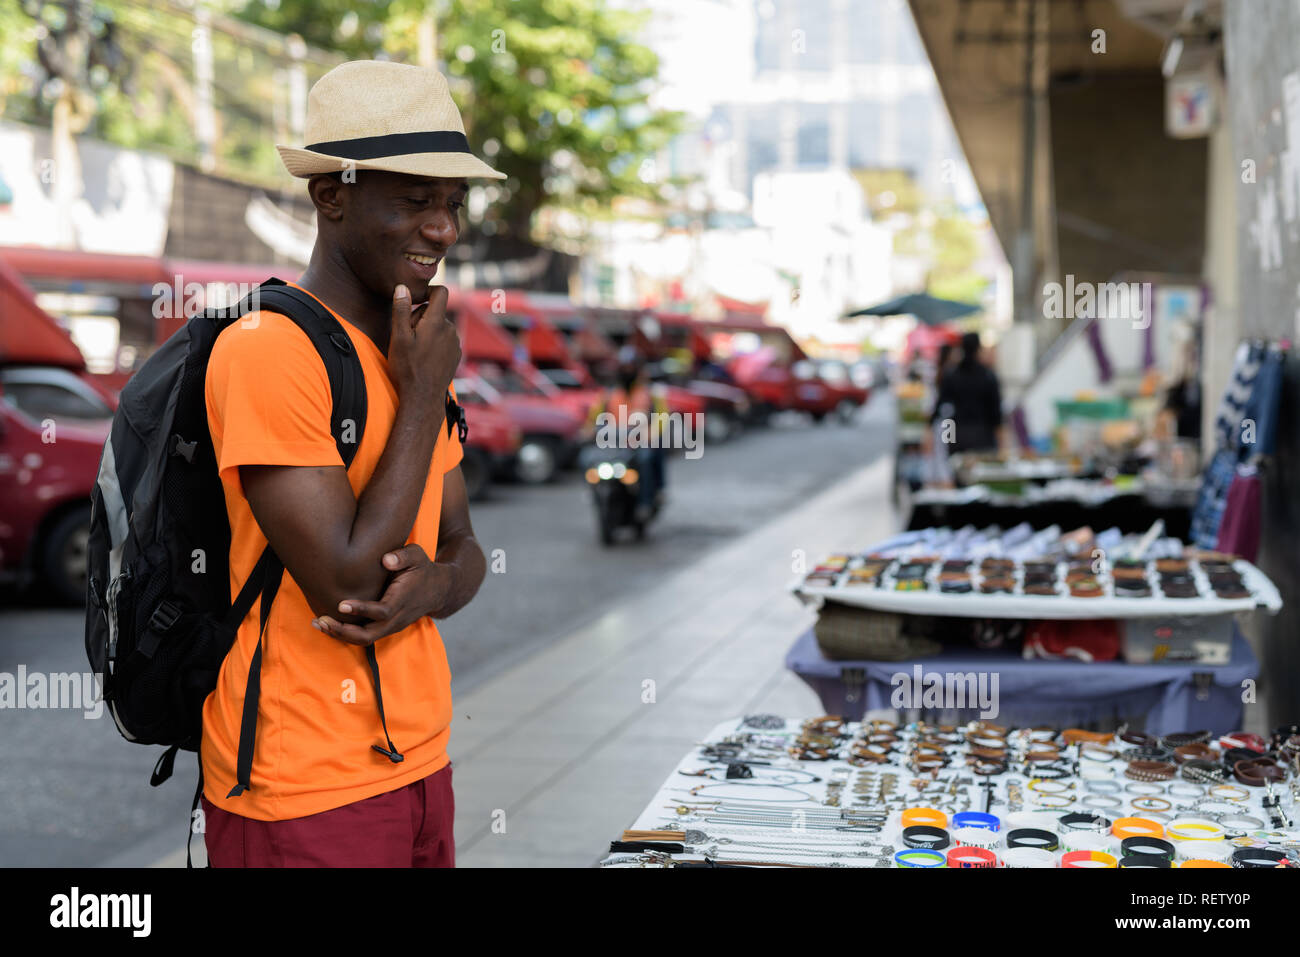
846	632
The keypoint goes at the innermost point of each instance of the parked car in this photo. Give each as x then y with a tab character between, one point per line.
549	432
493	439
850	384
53	423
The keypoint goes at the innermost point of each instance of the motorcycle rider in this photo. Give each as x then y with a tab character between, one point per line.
631	393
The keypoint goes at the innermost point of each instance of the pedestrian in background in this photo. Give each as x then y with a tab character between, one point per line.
970	397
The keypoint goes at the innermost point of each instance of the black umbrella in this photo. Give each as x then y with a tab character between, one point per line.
928	309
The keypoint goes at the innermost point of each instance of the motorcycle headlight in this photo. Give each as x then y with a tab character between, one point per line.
605	470
619	470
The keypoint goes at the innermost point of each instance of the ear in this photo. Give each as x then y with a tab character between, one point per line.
326	194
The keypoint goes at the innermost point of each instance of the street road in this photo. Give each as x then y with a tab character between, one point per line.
74	792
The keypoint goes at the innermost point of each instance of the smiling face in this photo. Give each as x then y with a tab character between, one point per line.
396	228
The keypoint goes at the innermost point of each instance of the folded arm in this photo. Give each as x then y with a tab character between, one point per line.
331	541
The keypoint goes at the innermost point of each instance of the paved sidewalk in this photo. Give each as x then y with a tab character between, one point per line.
556	756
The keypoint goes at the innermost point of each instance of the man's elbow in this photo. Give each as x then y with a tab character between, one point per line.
342	584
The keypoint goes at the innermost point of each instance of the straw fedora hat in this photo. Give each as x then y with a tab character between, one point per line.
371	114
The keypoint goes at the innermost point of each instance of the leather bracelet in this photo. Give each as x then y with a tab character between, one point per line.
1175	741
1095	752
1150	771
1047	772
1079	736
1243	739
1231	756
1139	739
1203	772
1041	757
1258	772
1194	752
1153	753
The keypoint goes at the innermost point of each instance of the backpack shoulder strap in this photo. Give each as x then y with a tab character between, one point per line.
347	380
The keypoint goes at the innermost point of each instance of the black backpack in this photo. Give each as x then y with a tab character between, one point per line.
160	618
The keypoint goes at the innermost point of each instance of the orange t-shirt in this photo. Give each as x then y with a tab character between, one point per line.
269	402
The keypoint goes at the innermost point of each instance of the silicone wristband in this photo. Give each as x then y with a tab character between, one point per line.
990	822
1083	859
916	857
1137	827
1028	857
924	815
972	857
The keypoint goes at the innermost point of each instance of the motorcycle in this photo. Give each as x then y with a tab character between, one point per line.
615	487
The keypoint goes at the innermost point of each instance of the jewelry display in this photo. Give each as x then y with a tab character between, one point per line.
825	792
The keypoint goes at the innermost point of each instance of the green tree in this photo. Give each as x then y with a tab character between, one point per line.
553	92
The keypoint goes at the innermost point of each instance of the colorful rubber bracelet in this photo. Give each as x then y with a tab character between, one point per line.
917	857
1203	851
1085	822
926	837
1243	739
975	837
1085	859
1033	837
1028	857
972	857
1147	847
924	815
990	822
1202	863
1088	841
1136	827
1194	829
1257	857
1040	820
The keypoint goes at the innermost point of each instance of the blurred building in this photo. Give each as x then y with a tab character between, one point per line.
787	98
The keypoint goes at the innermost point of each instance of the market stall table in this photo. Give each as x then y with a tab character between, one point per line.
766	791
1171	696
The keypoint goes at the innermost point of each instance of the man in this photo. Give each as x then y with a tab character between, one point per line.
349	770
969	395
633	394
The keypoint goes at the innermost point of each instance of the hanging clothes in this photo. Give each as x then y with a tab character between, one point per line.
1239	527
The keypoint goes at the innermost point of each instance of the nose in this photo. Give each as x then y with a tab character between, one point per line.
441	229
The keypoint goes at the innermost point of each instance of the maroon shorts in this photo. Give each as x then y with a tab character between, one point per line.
409	827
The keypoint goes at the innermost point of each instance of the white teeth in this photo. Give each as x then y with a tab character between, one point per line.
422	260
